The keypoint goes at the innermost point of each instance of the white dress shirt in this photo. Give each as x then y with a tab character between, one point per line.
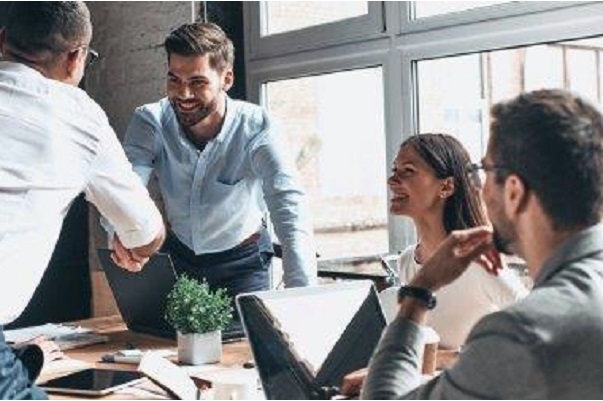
56	142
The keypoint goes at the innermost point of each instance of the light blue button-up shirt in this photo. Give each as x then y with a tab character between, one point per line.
216	198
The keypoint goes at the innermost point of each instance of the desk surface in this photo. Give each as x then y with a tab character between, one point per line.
233	356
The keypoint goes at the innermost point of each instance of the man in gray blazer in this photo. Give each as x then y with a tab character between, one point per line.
543	186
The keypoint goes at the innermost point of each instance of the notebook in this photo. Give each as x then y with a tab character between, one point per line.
305	340
66	336
142	297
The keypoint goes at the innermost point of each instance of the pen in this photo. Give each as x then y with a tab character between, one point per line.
121	359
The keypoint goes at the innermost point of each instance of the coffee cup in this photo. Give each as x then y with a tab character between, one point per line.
430	352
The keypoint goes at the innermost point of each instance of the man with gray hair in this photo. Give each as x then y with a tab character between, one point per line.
55	142
542	180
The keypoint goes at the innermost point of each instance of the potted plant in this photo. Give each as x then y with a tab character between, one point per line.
198	315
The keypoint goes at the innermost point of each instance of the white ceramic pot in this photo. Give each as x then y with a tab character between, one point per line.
198	349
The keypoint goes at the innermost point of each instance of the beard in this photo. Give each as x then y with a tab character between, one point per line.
502	243
504	236
192	118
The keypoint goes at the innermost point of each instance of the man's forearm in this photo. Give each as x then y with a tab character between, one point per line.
395	368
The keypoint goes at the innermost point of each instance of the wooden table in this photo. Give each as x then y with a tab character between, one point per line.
233	356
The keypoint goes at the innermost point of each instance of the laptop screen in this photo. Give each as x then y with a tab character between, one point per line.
142	297
305	340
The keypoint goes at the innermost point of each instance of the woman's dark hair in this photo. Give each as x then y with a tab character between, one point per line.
448	158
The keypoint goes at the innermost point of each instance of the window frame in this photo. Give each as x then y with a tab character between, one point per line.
562	24
314	37
399	45
470	16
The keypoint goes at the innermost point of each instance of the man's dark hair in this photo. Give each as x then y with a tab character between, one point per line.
448	158
45	29
200	38
553	141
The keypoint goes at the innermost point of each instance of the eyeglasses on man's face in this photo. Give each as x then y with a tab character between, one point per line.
476	173
91	57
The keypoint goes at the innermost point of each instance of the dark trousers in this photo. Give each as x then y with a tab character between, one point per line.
16	381
240	269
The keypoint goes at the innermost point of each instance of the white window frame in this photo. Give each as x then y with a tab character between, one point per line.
483	13
584	19
397	49
313	37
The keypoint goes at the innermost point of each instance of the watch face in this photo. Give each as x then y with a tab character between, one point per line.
432	302
421	294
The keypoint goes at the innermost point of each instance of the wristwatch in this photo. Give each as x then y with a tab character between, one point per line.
426	297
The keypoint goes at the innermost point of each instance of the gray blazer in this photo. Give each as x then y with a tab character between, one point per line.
549	345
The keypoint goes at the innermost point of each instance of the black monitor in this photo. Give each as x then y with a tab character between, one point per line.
305	340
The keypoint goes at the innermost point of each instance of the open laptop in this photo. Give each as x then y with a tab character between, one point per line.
305	340
142	297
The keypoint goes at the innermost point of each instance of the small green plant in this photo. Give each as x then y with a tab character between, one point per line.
193	308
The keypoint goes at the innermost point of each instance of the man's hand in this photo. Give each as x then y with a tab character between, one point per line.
453	256
125	258
49	348
352	382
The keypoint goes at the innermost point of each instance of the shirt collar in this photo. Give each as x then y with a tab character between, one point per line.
11	66
229	117
584	243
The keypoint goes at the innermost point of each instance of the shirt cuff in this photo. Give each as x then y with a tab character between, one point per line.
142	234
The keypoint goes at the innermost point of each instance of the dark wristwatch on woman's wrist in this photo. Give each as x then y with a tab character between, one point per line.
426	297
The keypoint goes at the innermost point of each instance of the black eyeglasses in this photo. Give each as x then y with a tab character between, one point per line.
91	57
476	172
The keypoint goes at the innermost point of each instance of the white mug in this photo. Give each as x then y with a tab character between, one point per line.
233	384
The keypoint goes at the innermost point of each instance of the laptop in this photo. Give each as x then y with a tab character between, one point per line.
305	340
142	297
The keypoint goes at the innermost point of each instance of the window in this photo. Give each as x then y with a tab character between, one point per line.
396	69
274	28
423	9
456	93
346	184
283	16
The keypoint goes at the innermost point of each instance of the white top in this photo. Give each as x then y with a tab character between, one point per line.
56	142
461	304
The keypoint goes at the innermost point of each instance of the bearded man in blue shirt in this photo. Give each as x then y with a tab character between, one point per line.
219	162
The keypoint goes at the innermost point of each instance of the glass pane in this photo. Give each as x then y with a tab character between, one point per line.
338	141
453	105
456	93
284	16
423	9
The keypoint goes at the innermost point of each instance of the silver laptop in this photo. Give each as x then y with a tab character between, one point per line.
305	340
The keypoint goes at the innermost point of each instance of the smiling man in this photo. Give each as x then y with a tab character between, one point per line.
219	162
544	192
